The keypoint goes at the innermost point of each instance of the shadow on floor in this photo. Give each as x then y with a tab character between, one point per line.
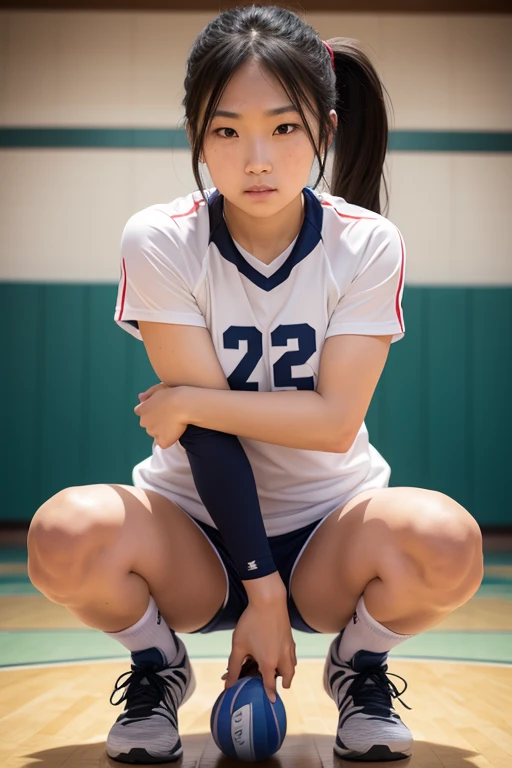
298	751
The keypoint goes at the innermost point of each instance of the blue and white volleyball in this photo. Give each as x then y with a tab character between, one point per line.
245	724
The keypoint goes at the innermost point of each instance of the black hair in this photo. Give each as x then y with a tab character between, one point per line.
293	52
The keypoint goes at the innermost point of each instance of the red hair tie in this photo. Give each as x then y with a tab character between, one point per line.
331	53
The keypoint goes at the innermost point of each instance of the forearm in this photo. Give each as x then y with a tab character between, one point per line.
296	419
225	483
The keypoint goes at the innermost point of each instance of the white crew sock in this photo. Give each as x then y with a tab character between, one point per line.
363	632
150	631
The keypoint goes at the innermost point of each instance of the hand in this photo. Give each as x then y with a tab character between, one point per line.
158	415
263	632
151	391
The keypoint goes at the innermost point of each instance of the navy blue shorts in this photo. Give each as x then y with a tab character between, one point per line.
285	549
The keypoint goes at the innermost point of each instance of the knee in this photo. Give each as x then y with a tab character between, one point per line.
446	542
64	535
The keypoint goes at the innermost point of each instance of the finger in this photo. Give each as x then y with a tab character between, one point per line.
287	672
148	392
269	682
235	662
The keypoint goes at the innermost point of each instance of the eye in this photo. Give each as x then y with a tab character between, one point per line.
217	131
283	125
287	125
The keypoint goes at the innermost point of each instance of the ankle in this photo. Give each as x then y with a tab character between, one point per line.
363	632
150	631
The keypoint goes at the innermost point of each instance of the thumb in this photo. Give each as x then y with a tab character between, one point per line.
144	395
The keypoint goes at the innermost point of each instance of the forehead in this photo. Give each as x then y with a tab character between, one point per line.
253	90
250	82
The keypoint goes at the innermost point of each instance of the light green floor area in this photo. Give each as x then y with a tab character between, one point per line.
46	646
37	647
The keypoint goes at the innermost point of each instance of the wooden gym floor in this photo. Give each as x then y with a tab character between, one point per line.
56	676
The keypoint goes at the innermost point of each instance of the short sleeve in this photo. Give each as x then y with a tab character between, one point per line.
155	283
371	303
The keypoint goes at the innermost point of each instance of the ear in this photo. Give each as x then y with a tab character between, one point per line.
334	118
334	127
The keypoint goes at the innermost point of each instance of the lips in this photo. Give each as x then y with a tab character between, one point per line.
265	194
261	189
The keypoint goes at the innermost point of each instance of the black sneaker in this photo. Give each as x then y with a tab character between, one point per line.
368	726
147	730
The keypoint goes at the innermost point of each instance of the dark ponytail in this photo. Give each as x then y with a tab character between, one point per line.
362	136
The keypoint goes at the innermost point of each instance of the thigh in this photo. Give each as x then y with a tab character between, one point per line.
359	541
103	533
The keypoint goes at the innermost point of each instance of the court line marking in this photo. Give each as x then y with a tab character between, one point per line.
86	629
210	660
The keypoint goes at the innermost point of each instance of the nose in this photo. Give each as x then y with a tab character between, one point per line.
258	158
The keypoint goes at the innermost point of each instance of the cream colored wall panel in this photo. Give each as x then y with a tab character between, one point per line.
482	193
4	31
162	42
62	214
160	177
420	191
30	69
96	68
482	72
114	69
361	26
416	70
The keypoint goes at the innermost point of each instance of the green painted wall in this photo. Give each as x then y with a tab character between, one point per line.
23	137
441	414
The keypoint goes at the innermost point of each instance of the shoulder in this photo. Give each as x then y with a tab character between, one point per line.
343	218
177	230
180	219
357	235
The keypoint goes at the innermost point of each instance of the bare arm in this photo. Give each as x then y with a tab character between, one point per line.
185	355
326	420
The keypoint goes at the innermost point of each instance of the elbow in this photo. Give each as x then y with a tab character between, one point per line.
341	442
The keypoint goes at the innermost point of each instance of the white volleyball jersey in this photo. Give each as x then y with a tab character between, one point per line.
344	273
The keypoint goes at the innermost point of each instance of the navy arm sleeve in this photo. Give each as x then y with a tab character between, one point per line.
225	483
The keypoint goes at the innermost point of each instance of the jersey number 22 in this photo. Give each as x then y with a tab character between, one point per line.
279	337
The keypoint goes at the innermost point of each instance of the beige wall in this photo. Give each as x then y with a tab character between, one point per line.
62	211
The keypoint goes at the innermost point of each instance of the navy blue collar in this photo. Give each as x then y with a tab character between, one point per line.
309	236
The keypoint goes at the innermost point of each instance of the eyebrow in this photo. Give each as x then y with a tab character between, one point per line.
270	113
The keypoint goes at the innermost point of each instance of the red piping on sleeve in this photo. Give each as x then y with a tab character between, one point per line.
346	216
398	305
123	266
192	210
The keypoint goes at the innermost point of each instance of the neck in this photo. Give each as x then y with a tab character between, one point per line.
265	238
